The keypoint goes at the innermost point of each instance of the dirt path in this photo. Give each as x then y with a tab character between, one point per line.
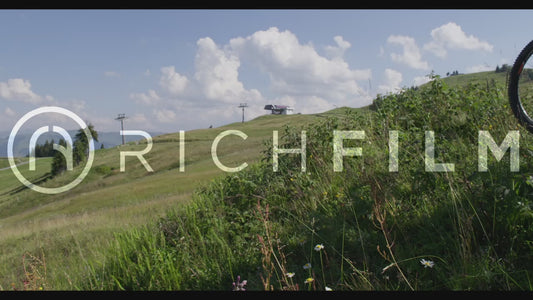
20	164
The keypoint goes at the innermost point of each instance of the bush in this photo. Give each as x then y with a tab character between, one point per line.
364	228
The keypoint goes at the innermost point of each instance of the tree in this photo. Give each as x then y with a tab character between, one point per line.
80	149
44	150
59	162
504	68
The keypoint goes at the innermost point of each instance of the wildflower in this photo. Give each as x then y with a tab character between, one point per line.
328	289
309	280
238	285
319	247
307	266
427	263
290	274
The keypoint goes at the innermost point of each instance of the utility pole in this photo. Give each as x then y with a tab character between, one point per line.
121	118
243	105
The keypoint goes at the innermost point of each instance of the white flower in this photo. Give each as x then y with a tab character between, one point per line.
328	289
427	263
319	247
290	274
307	266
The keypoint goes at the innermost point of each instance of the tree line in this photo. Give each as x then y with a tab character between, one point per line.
504	68
80	150
44	150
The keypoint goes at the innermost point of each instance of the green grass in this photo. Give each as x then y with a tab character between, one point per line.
200	229
483	79
109	201
376	226
10	183
4	162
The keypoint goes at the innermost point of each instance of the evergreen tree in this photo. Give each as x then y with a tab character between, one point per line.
44	150
81	144
80	150
59	162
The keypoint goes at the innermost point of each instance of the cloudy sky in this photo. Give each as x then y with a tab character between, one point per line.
171	70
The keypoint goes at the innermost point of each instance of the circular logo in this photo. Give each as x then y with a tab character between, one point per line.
33	113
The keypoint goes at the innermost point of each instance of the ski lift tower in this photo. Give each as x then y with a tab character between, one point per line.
121	118
243	105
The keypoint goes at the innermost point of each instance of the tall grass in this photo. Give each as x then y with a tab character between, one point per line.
71	229
365	228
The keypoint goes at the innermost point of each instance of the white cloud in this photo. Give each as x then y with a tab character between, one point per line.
213	92
299	77
172	81
218	76
420	80
138	117
19	89
297	70
76	105
392	80
338	51
411	55
451	36
50	99
9	112
140	121
165	115
479	68
315	104
435	48
149	98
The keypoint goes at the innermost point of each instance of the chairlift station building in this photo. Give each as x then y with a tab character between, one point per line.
279	109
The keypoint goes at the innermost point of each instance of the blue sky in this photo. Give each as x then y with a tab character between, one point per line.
171	70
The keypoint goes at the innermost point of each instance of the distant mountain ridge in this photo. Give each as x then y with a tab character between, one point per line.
20	148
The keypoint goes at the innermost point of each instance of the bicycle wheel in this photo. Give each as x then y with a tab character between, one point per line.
520	87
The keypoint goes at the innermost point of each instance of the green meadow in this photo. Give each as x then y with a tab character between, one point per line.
362	228
69	228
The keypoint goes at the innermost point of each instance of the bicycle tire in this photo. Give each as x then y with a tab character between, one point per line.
514	84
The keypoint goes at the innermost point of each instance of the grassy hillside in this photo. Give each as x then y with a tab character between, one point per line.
363	228
482	79
72	227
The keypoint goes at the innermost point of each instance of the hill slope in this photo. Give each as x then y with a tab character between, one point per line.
380	230
417	227
74	225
